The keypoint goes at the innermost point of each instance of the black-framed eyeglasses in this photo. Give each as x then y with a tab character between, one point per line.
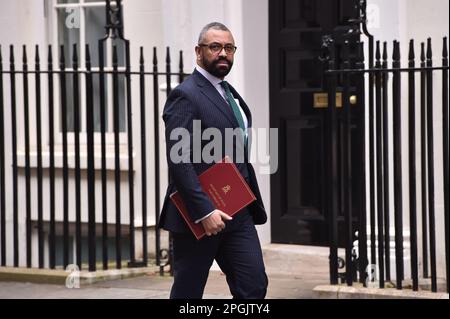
217	47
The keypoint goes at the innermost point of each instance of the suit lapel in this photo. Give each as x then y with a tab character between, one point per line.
211	93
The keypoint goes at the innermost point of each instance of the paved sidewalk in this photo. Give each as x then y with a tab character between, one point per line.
152	287
293	273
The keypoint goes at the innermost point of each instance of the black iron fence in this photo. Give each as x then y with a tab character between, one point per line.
55	164
384	94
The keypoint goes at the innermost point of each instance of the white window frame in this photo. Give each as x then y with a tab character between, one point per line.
109	136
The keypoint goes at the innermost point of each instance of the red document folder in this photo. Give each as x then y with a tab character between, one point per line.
226	188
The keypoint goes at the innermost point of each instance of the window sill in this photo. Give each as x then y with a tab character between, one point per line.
110	158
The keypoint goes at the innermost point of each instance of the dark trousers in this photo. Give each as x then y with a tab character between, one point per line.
237	252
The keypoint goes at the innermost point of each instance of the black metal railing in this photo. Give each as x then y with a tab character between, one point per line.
35	173
55	89
387	92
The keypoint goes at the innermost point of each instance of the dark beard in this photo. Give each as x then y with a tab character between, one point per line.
214	69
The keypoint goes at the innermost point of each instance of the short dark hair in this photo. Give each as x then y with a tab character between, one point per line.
209	26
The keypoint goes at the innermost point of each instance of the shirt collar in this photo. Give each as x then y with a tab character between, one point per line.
215	81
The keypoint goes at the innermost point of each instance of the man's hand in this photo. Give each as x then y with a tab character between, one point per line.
215	223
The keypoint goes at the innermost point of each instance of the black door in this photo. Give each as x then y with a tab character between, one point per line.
298	197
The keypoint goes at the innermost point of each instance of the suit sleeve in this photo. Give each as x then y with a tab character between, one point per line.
180	112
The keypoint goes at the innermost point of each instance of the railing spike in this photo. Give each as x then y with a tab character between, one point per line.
396	53
429	49
377	51
141	56
155	57
50	55
11	54
181	68
36	57
62	59
88	54
444	48
168	55
422	52
411	55
24	54
181	61
75	54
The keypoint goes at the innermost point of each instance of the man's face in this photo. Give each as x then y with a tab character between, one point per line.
217	63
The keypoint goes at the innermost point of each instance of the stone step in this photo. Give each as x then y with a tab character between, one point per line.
296	260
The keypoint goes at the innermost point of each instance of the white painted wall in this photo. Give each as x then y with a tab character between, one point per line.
404	20
256	80
22	22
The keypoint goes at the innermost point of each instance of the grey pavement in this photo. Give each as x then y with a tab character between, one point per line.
150	287
293	273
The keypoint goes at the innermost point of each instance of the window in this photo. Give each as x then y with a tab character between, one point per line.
83	22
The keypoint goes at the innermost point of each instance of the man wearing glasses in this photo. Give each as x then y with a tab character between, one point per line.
233	242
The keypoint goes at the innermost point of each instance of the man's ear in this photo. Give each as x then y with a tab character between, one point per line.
197	52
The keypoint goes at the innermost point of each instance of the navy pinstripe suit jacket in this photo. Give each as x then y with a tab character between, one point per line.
197	99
